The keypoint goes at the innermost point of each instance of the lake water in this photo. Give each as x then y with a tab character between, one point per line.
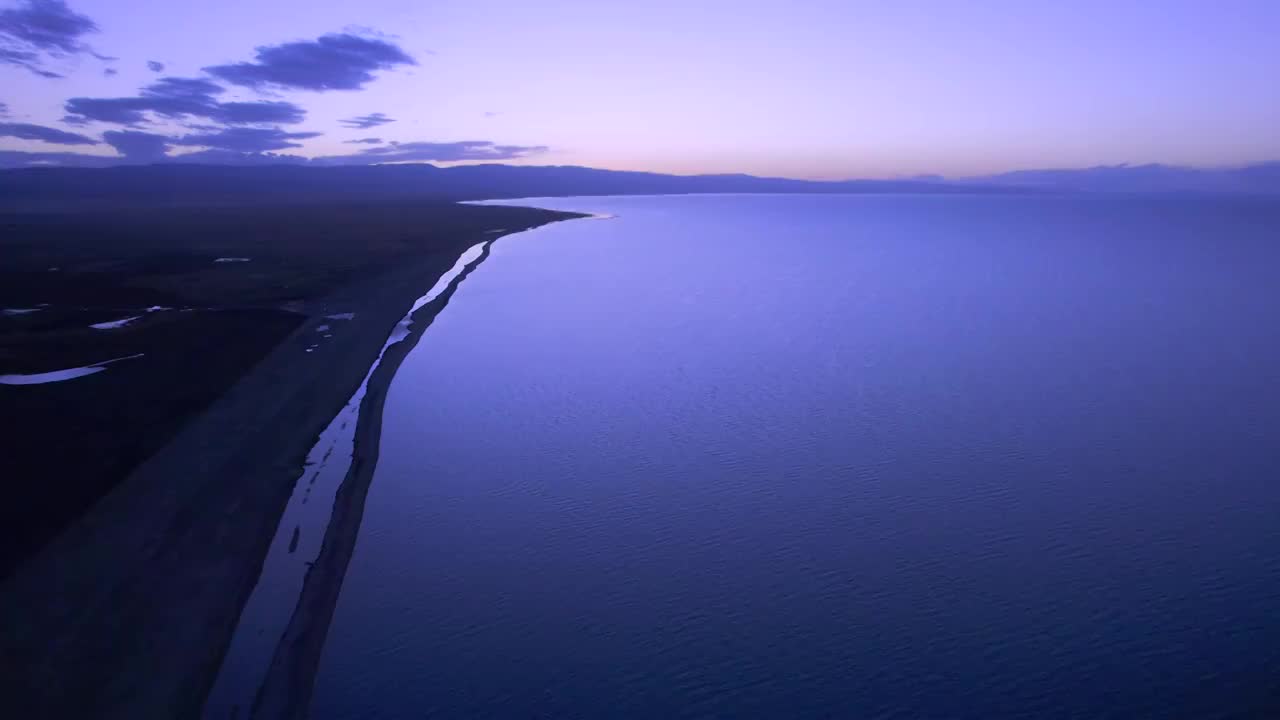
834	456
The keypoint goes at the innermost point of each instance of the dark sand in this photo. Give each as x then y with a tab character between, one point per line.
127	611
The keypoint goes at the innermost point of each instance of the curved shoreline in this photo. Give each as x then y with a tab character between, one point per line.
286	691
267	614
129	612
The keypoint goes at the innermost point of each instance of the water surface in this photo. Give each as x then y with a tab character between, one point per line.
834	456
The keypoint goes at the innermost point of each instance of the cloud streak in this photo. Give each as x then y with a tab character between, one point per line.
43	28
27	131
177	98
259	146
246	140
364	122
435	152
340	61
155	66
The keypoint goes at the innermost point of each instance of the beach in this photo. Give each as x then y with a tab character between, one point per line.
128	610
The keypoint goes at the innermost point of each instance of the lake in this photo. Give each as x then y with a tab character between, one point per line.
833	456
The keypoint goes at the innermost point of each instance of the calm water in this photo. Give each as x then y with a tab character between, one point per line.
849	457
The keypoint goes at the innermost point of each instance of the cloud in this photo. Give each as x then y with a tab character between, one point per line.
108	72
331	62
19	159
246	140
25	59
122	111
432	151
223	146
155	66
47	25
4	110
27	131
134	145
247	113
240	159
364	141
42	27
183	87
175	97
364	122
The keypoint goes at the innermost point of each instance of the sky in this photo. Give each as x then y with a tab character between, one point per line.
820	89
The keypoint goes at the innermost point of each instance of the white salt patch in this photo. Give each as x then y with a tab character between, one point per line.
60	375
232	259
491	232
112	325
49	377
20	311
340	316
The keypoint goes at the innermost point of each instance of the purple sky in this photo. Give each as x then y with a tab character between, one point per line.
807	88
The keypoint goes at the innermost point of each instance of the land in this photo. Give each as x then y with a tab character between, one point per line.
142	498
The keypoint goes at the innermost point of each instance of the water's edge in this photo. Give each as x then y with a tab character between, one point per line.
295	545
286	690
246	685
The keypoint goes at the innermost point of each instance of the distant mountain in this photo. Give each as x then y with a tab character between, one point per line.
49	187
39	188
1260	178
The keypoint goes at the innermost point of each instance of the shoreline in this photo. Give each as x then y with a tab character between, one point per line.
286	689
129	612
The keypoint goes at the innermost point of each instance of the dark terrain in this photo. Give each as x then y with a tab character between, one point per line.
68	443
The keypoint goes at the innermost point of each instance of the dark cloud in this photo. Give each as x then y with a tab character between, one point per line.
155	66
27	131
19	159
440	152
14	56
25	59
110	72
173	98
42	27
4	110
121	111
330	62
230	157
134	145
364	122
247	113
46	25
225	146
190	88
364	141
246	140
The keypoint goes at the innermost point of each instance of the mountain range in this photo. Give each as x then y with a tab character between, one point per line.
37	188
